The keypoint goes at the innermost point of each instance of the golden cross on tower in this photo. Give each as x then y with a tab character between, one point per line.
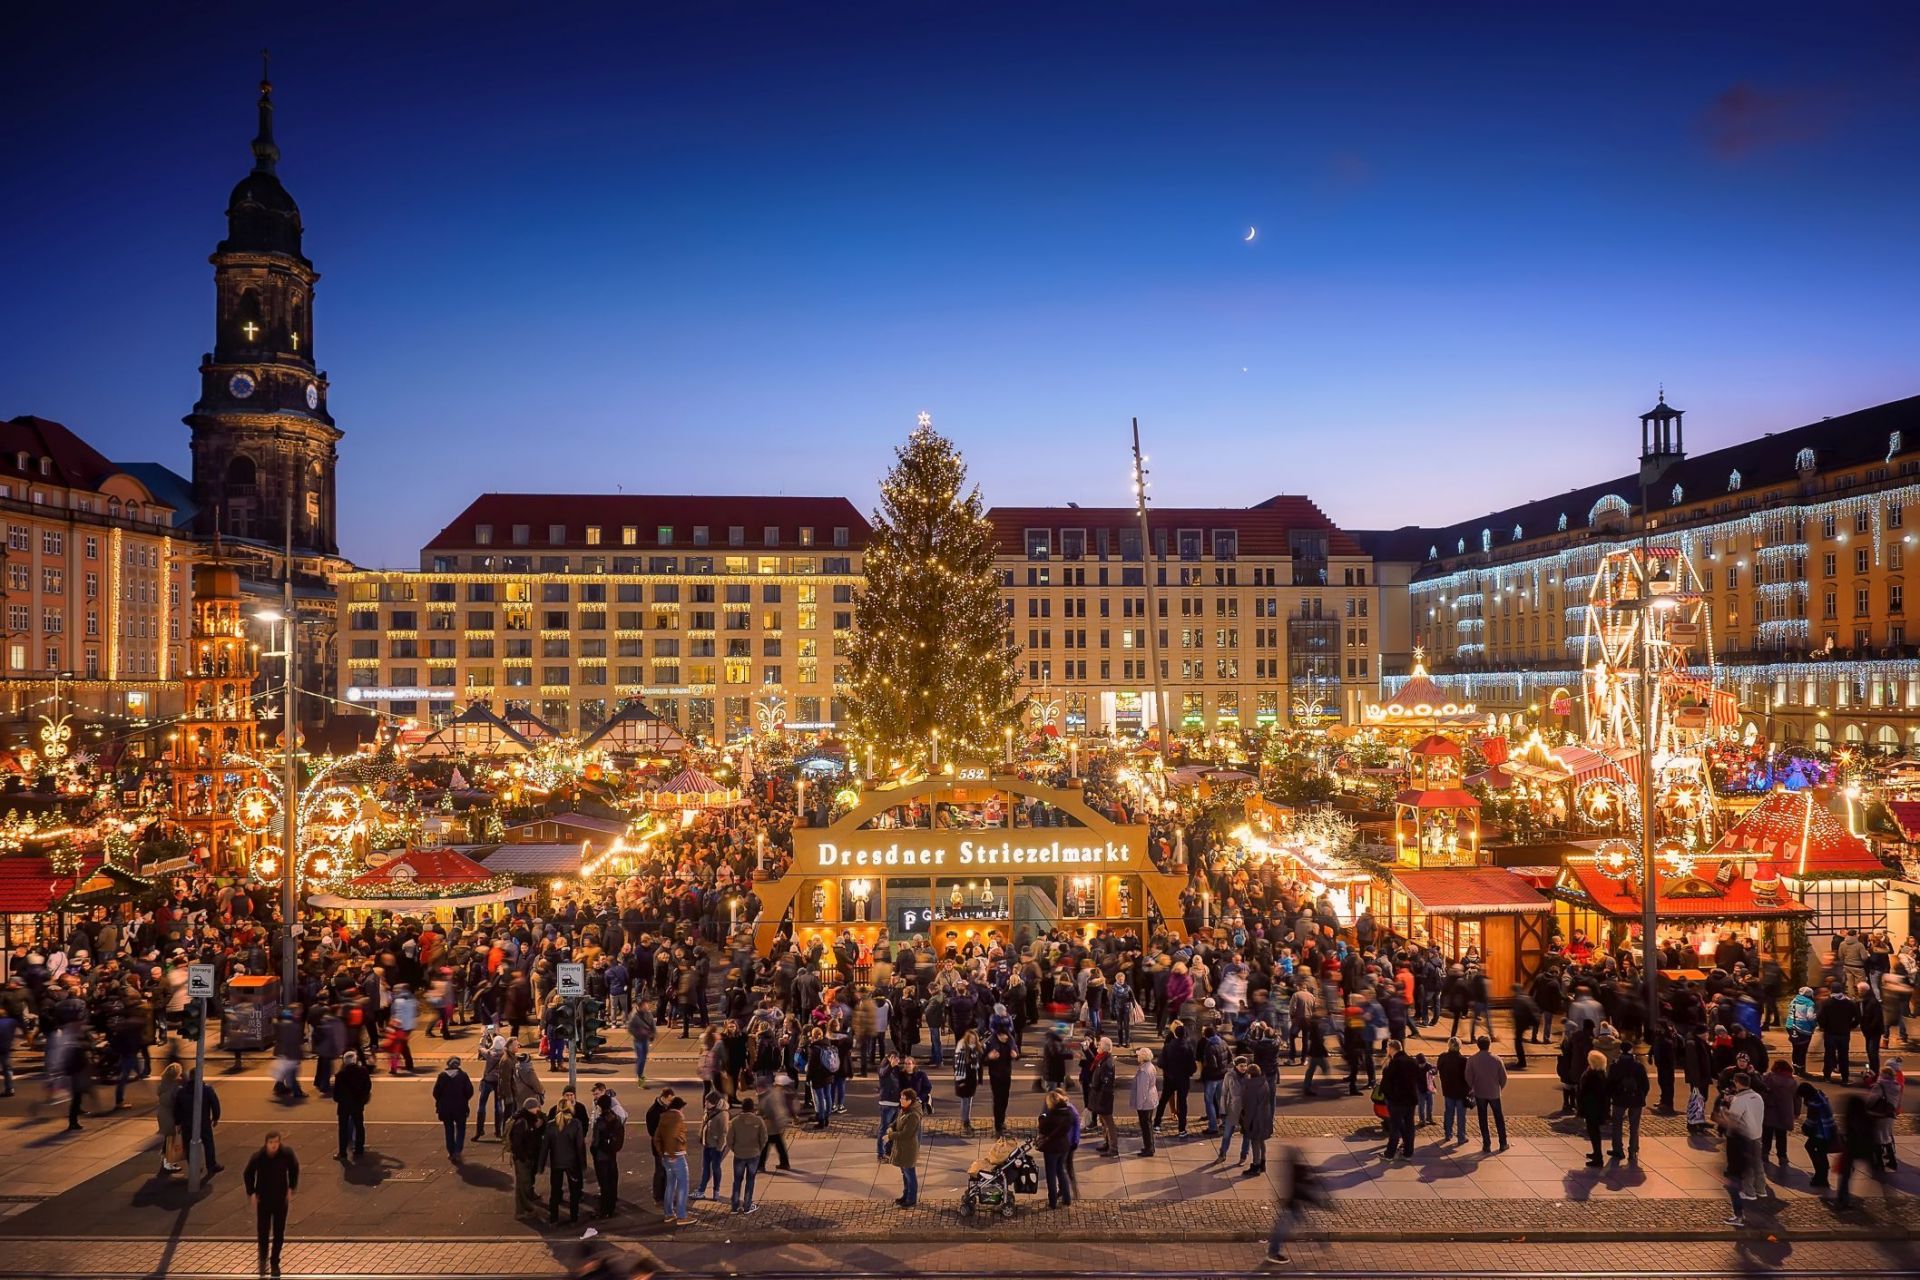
251	329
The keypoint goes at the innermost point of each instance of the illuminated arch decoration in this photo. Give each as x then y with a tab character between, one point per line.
1805	461
1610	505
1733	482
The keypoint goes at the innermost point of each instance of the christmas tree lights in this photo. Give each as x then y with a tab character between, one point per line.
931	648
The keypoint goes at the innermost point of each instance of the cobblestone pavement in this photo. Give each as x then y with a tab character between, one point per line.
856	1261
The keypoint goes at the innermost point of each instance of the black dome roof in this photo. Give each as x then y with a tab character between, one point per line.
261	216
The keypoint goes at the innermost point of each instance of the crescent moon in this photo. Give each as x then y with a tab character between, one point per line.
1251	232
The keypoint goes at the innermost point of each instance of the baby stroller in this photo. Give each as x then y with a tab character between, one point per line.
993	1182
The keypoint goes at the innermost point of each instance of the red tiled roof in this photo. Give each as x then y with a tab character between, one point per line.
28	884
1735	902
647	513
1263	529
1797	835
75	462
439	866
1466	890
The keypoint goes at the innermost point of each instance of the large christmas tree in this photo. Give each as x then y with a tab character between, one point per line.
932	651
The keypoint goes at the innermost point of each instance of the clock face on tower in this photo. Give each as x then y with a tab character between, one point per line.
241	385
313	396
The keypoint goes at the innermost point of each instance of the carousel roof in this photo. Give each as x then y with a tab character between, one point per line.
1683	897
1434	745
1421	702
428	868
1800	837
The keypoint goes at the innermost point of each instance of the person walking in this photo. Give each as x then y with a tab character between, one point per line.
452	1094
1145	1095
1452	1067
1746	1172
271	1177
1487	1079
642	1026
1627	1089
352	1090
1295	1186
904	1148
670	1150
1818	1128
172	1146
1883	1104
526	1137
563	1154
775	1106
747	1138
609	1135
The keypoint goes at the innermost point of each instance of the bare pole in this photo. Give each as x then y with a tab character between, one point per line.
1146	577
1649	878
290	795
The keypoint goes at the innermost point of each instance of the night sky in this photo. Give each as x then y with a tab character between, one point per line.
732	247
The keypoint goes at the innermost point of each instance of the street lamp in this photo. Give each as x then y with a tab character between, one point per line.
289	809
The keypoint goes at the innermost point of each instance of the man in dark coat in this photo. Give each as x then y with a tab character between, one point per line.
209	1116
271	1177
452	1096
352	1090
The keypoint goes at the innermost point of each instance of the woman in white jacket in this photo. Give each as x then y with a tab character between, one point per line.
1147	1080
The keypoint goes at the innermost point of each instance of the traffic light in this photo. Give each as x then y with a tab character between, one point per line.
591	1039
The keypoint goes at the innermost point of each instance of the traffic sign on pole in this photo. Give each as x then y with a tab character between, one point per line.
573	980
199	982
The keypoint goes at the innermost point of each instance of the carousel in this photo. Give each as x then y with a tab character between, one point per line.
419	883
970	856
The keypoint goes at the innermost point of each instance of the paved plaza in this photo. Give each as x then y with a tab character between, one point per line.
406	1203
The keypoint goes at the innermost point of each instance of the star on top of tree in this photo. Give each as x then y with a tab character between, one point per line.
926	419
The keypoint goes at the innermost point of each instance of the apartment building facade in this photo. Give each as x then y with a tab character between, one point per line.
720	614
96	584
1260	615
1799	539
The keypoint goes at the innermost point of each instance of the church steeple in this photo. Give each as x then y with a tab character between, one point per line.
265	154
261	429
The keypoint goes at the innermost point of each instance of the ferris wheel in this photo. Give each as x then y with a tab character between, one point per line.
1652	595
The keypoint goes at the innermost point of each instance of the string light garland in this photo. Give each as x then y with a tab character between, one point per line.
931	649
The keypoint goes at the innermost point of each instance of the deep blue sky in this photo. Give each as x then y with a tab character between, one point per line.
735	247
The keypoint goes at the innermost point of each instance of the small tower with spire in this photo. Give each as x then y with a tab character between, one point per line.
1662	441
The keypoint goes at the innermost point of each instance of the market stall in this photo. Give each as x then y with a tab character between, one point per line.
975	855
1599	898
1817	857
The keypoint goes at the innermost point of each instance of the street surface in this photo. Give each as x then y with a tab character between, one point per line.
93	1203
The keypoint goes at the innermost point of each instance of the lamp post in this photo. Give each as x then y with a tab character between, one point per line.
289	809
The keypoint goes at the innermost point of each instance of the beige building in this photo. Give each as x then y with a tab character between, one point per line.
720	614
96	584
1799	539
1261	615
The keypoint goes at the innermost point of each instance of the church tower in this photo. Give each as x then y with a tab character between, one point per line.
261	430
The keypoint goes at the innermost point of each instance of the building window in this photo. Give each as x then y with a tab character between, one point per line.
593	535
770	535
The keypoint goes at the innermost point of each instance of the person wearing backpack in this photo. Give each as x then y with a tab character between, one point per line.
642	1027
609	1136
1817	1126
526	1136
823	1062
